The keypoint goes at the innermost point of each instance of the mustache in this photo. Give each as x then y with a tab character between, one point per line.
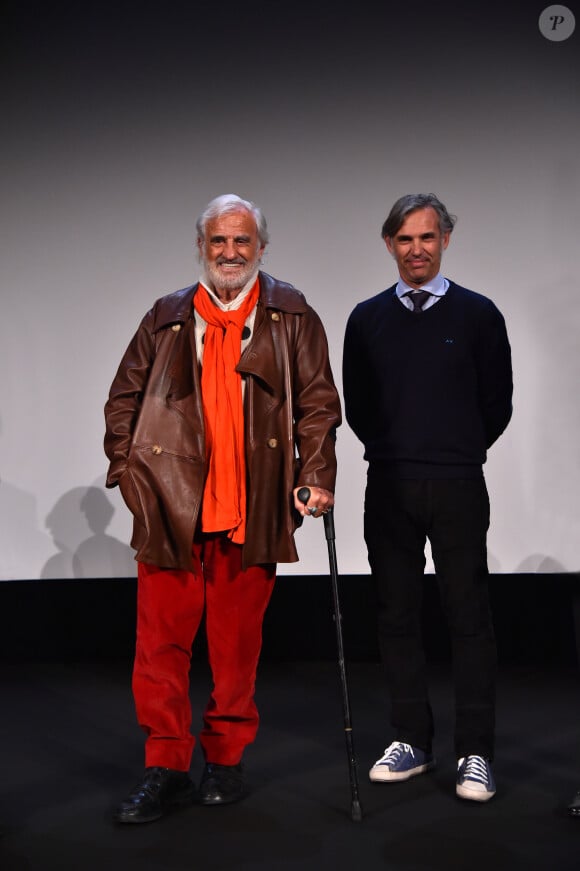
236	261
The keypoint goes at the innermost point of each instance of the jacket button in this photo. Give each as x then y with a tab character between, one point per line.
272	443
176	328
157	449
275	316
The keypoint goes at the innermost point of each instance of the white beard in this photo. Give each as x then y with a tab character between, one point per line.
221	280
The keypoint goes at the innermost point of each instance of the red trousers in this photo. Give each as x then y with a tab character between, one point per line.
170	607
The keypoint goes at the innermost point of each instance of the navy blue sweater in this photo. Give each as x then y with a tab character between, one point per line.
427	393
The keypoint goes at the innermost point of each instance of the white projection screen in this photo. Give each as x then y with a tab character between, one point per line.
120	121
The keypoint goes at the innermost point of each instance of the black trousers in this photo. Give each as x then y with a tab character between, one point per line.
454	515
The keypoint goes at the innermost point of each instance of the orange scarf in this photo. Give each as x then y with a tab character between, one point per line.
224	497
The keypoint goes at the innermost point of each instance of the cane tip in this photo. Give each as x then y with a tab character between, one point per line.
356	812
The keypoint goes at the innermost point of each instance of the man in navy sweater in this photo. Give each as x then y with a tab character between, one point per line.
427	382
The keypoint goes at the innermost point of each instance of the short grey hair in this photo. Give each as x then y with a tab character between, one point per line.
411	203
232	203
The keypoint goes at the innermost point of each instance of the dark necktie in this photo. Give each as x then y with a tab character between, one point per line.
418	297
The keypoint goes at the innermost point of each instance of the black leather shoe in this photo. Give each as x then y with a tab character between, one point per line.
222	784
574	806
160	789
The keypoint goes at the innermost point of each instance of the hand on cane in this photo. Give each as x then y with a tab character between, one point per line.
318	502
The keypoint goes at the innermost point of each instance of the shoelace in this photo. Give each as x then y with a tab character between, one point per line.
151	785
476	769
394	751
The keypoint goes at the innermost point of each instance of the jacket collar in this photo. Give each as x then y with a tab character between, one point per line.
281	295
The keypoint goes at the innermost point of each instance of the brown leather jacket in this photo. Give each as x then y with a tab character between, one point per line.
155	431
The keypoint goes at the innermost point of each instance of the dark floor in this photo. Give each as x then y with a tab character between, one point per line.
71	750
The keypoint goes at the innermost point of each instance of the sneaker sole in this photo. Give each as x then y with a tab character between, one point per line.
473	794
381	774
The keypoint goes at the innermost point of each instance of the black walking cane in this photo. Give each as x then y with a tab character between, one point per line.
355	808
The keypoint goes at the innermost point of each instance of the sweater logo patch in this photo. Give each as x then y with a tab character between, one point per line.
449	341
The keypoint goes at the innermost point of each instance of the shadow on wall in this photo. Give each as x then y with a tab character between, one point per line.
78	523
534	563
540	563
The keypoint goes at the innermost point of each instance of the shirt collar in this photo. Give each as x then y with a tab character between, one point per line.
437	286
